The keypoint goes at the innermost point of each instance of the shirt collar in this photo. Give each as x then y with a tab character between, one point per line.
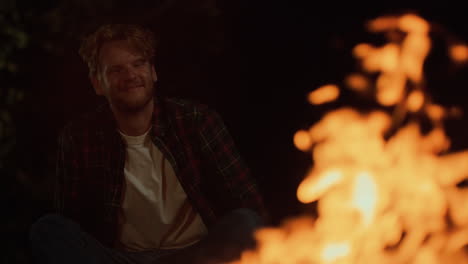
159	122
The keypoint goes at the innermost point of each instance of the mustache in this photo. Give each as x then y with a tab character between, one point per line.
134	84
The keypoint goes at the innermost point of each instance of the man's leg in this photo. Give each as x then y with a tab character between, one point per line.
233	234
56	239
225	242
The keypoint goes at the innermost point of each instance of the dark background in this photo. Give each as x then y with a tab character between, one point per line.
253	61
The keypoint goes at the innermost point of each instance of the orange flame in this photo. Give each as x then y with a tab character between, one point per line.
357	82
459	53
384	190
435	112
332	252
313	188
324	94
302	140
415	101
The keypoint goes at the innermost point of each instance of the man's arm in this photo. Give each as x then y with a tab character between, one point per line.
219	149
64	190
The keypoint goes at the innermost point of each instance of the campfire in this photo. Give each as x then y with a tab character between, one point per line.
387	187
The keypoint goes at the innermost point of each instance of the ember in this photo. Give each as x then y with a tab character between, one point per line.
386	192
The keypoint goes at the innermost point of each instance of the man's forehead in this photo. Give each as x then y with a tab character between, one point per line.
118	50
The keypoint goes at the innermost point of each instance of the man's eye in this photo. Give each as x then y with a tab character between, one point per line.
114	70
139	63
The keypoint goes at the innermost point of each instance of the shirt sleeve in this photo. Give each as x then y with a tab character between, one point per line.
219	149
65	191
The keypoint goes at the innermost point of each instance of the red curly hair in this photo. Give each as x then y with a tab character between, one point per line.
137	36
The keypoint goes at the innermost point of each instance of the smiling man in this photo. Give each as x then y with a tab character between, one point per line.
145	179
126	78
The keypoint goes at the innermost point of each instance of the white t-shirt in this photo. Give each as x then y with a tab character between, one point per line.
157	213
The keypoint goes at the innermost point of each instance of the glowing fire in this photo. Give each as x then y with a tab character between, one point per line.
324	94
386	192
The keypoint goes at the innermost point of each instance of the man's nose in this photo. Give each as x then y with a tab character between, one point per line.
129	73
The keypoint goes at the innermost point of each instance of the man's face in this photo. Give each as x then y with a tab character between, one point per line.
125	78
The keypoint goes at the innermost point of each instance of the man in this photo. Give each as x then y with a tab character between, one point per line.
145	179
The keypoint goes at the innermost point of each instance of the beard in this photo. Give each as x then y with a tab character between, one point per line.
130	107
134	101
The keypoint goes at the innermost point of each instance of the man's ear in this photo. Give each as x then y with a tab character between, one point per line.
96	82
154	76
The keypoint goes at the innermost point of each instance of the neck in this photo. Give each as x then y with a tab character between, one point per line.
134	123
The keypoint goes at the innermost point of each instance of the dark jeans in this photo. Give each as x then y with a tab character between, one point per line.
56	239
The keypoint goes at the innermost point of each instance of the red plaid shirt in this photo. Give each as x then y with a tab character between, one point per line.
91	159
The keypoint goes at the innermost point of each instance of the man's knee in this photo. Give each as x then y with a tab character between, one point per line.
233	234
57	239
246	217
237	225
49	226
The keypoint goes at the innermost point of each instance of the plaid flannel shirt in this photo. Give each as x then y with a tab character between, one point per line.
91	158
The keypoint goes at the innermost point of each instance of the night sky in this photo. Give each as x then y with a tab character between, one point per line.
252	62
